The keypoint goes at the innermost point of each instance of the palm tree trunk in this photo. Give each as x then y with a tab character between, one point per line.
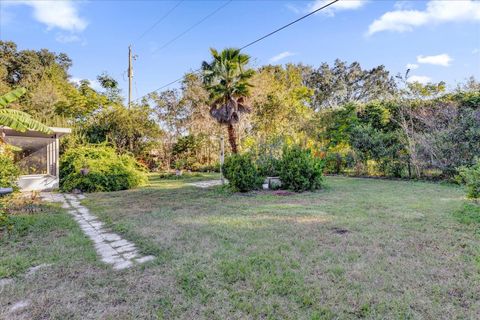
232	139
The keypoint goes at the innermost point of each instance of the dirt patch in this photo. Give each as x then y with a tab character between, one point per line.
283	193
339	230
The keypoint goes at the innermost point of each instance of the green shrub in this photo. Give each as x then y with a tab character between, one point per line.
268	166
471	178
241	172
300	170
95	168
9	172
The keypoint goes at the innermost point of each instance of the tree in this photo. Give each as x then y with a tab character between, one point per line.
227	81
342	83
280	104
16	119
132	130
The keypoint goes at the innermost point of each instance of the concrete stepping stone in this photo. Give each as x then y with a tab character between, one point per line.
111	236
206	184
111	247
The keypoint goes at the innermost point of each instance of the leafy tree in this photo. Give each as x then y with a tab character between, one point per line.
340	84
132	130
227	81
280	104
111	86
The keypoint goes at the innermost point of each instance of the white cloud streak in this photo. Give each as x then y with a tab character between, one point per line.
436	12
330	11
55	14
281	56
443	60
337	6
412	66
419	79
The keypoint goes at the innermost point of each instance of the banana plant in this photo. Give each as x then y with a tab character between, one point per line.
16	119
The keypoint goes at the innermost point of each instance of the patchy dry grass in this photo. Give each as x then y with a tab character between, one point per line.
360	248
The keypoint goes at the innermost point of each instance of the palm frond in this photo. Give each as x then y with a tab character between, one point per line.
11	96
21	121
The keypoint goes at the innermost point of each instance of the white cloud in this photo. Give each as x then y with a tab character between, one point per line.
419	79
437	11
337	6
439	60
412	66
281	56
94	84
403	4
475	51
55	14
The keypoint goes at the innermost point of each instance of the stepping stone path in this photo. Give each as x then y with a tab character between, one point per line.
110	246
206	184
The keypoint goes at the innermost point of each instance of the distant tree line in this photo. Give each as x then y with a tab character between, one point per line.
361	121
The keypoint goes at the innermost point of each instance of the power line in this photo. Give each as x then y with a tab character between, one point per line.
191	27
251	43
159	20
288	25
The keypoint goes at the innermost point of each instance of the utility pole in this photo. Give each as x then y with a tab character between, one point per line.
130	75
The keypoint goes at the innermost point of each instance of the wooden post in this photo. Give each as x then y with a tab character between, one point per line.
222	158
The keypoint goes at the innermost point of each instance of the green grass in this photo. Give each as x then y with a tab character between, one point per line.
42	238
360	248
469	214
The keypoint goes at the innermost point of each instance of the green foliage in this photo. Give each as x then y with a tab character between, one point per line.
341	84
95	168
129	130
268	166
468	214
335	163
9	172
184	151
241	172
471	177
16	119
300	170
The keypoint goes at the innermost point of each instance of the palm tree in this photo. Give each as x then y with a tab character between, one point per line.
226	80
16	119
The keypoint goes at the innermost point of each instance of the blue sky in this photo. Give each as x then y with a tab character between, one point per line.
439	40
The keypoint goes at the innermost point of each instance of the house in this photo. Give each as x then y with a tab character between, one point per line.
38	157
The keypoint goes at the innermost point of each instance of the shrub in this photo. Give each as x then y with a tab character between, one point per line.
241	172
300	170
471	178
95	168
9	172
268	166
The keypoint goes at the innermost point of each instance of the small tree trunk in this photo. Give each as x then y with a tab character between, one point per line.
232	139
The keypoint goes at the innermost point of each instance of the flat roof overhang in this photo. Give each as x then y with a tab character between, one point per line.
56	132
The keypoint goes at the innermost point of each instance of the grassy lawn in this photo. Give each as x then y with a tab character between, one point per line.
360	248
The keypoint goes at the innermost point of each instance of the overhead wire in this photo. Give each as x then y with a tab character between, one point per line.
156	23
250	43
166	44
